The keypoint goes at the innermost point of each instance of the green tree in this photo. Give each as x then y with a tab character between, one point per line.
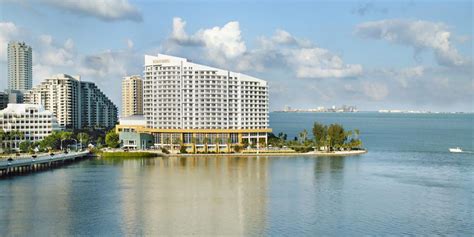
217	141
238	148
182	149
112	139
64	136
51	142
245	143
83	138
3	137
100	142
206	141
337	135
320	134
303	135
229	144
25	146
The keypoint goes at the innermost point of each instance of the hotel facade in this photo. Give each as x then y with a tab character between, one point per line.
201	107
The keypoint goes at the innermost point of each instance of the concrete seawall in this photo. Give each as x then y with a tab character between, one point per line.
27	165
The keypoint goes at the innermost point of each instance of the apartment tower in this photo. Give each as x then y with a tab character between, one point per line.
132	96
76	104
20	66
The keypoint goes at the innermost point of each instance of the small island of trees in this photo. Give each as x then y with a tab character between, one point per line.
326	138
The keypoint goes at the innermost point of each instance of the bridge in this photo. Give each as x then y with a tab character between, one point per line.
21	165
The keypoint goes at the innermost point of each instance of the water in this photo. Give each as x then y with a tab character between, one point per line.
407	184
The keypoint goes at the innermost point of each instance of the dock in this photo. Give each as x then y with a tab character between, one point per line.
23	165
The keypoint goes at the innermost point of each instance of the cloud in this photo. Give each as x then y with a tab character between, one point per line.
283	37
418	34
53	54
225	47
375	90
104	64
368	7
179	35
107	10
320	63
130	44
8	31
220	43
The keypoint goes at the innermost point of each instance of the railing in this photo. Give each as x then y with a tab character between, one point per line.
43	159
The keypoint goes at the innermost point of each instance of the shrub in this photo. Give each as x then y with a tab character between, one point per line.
182	150
237	148
165	151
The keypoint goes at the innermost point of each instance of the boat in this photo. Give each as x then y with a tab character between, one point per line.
455	150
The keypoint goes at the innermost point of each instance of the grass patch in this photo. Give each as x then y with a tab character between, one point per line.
121	154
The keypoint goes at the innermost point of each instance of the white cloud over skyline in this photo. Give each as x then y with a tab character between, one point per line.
300	71
419	34
107	10
225	46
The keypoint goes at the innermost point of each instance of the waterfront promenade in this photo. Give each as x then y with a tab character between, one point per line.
29	164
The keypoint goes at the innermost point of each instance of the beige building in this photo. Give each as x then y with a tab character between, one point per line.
76	104
132	96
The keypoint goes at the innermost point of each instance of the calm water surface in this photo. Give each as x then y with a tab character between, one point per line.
407	184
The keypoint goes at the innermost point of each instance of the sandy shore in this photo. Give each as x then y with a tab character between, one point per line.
336	153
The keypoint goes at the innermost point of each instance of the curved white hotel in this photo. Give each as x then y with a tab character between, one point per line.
185	101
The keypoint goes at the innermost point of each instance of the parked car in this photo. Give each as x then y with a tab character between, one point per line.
10	160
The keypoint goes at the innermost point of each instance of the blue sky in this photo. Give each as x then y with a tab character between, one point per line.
414	55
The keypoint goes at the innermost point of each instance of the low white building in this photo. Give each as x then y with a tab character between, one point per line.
32	121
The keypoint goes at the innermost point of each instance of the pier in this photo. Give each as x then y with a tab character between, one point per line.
23	165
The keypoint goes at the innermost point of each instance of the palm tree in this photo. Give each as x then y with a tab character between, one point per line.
206	140
83	138
193	141
357	133
303	135
3	136
65	136
217	141
229	141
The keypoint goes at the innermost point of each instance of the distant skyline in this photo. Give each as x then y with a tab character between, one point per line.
408	55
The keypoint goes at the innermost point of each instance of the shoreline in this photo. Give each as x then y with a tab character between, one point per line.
315	154
160	154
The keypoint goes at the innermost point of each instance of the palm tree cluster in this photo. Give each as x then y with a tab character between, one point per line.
325	138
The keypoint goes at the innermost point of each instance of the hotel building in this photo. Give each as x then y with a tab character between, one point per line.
20	66
132	96
31	120
201	107
76	104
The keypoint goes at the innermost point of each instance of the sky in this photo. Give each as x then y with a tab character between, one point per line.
407	54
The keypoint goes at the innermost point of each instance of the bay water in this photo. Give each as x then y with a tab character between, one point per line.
407	184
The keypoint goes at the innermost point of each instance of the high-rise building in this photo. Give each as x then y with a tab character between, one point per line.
20	66
192	104
98	111
3	100
76	104
132	96
26	122
15	96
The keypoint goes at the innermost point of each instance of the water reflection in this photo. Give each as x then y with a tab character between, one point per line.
240	196
185	196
